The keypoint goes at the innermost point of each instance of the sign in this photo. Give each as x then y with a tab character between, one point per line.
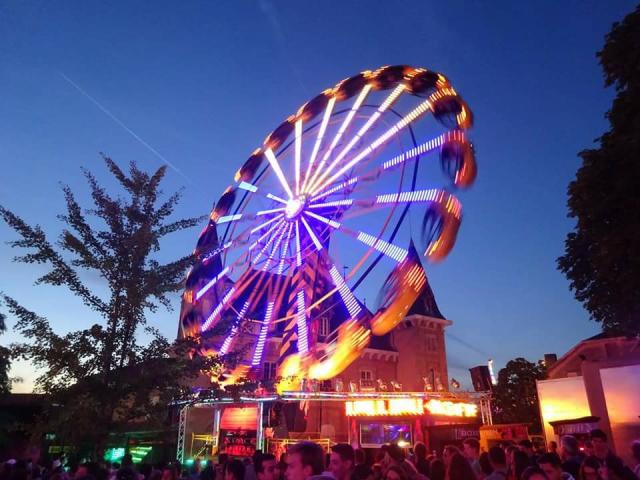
409	406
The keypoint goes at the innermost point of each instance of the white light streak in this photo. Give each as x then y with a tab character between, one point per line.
247	186
402	123
234	330
281	228
425	147
273	161
336	203
345	124
298	154
229	218
211	283
265	234
285	247
311	234
335	189
276	245
331	223
276	198
298	252
301	320
346	294
261	226
316	146
389	249
218	309
257	354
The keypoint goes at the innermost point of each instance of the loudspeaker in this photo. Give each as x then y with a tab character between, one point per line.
481	378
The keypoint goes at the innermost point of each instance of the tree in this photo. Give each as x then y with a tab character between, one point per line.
102	378
515	397
602	254
5	363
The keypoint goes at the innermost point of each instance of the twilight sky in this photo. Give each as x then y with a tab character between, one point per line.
200	84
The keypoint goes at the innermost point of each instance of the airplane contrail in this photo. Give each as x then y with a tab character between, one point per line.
122	124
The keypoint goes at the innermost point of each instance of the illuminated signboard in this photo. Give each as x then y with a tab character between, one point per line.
409	406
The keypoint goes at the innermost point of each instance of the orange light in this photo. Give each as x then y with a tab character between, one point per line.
409	406
452	409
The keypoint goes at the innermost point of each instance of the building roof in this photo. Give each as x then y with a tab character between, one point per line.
426	304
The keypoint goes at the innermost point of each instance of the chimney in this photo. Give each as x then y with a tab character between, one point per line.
550	359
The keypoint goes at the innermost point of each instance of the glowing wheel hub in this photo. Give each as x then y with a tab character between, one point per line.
294	207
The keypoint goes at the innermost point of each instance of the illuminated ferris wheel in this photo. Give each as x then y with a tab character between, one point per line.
358	177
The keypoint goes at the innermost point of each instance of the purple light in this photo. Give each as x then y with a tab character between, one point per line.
257	354
389	249
227	342
331	223
311	234
298	252
285	247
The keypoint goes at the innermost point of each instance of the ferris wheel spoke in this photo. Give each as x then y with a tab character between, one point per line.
345	124
285	248
347	296
301	323
275	248
314	237
318	142
278	232
211	283
417	112
275	165
234	329
393	96
268	232
433	195
218	309
262	336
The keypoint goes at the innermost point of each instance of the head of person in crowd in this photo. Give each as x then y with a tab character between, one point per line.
360	456
266	467
508	450
519	463
448	452
569	447
376	469
459	468
497	459
553	447
600	443
394	472
588	448
551	466
527	447
234	470
437	469
420	458
362	472
342	461
304	460
394	454
533	473
485	464
471	448
590	469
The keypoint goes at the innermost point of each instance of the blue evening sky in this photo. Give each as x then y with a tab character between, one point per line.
202	83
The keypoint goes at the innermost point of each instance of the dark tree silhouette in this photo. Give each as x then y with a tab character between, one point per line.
101	378
602	254
515	397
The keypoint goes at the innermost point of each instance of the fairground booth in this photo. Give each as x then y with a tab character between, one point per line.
309	275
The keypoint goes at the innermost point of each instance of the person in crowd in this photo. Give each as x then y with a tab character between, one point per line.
420	458
266	467
498	462
553	447
170	472
362	472
305	460
394	472
590	469
552	467
437	469
533	473
376	469
342	461
518	464
448	452
570	455
471	451
395	456
635	453
360	456
459	468
234	470
485	465
208	472
615	467
526	446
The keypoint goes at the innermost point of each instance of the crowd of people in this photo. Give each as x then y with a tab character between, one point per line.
308	461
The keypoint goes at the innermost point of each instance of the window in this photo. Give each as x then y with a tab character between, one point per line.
269	371
324	327
366	379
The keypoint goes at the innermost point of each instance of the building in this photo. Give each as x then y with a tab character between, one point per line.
595	384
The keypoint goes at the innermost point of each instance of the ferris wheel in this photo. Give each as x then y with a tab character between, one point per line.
341	199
